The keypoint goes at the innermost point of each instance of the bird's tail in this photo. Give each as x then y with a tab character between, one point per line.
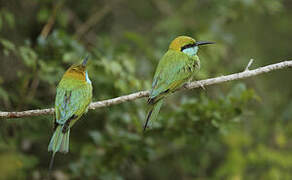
59	141
153	112
51	166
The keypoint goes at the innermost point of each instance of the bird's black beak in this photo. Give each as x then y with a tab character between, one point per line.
199	43
85	61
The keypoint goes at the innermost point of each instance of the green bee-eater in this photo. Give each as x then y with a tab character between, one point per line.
74	94
176	67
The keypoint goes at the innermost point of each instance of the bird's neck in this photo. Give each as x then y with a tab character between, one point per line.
76	76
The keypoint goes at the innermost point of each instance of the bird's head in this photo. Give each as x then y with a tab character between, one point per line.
187	45
77	71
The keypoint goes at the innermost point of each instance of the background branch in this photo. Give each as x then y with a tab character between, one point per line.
51	21
105	103
93	20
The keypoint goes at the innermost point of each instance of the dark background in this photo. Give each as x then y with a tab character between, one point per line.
235	130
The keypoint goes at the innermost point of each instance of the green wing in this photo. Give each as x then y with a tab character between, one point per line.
173	70
72	100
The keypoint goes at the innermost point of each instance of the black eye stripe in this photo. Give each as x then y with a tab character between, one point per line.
187	46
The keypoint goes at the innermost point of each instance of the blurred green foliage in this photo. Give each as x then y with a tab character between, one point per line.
236	130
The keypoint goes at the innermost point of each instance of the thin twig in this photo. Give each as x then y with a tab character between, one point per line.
248	65
93	20
141	94
51	21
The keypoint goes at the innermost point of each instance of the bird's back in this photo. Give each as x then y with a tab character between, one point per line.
174	69
73	97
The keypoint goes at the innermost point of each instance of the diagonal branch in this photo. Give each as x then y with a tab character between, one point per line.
51	21
196	84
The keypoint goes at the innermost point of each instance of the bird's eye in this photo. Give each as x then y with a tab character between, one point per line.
187	46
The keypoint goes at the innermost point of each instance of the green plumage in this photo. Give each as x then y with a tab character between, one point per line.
174	69
74	94
72	100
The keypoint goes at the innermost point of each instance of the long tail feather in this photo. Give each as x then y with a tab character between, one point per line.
51	165
153	113
59	143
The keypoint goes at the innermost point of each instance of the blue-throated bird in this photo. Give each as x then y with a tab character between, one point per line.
175	68
73	96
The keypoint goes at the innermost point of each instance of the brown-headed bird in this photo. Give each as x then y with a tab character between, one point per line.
74	94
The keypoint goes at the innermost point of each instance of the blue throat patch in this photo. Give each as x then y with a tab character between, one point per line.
87	78
191	51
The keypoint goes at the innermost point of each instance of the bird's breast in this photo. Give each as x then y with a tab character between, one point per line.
193	65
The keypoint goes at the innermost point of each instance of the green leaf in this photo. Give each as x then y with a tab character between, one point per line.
28	56
43	15
9	18
8	46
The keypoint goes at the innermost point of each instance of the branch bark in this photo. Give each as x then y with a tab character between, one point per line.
192	85
51	21
93	20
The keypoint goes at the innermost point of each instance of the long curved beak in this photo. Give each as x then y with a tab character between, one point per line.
199	43
84	62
